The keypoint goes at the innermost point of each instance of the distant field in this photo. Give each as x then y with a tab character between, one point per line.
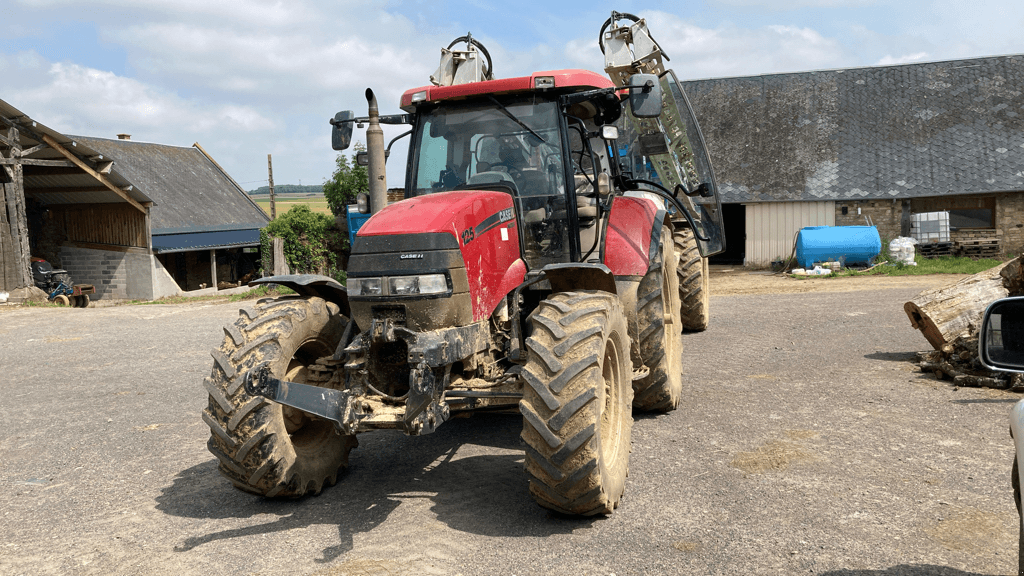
315	203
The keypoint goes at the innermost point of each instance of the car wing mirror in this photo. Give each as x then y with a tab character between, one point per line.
1001	340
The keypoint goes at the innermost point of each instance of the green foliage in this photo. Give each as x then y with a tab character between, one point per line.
307	237
939	265
348	180
304	190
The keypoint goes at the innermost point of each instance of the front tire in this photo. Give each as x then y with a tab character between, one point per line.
660	333
263	447
576	403
694	285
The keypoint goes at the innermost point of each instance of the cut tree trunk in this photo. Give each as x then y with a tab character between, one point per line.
942	314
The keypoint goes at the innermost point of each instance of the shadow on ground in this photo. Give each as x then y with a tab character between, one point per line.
479	494
893	356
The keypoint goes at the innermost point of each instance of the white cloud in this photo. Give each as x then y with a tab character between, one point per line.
697	52
889	60
80	100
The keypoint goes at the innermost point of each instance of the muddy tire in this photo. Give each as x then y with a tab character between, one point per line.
660	333
693	282
61	300
263	447
576	403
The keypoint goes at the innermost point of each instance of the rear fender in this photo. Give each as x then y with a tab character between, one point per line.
311	285
633	236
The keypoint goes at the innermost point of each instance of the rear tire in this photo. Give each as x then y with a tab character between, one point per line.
660	333
576	403
263	447
694	288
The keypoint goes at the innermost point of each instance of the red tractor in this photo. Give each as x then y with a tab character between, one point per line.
526	270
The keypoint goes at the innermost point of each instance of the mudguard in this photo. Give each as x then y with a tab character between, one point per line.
311	285
632	236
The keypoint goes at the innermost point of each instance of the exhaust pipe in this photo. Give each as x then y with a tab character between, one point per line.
376	173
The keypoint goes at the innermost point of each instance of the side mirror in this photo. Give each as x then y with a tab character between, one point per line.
341	130
1001	340
645	95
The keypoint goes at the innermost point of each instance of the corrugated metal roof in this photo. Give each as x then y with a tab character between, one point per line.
912	130
167	243
190	191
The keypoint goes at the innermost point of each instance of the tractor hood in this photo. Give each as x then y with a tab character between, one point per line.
451	212
409	235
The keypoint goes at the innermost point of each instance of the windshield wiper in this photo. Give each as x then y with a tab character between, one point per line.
513	118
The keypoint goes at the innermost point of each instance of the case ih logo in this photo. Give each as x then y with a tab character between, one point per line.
411	257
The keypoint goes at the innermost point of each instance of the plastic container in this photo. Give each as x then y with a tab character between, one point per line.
355	222
902	250
930	227
844	244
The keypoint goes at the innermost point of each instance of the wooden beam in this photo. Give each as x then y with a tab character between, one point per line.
66	190
33	150
35	162
88	169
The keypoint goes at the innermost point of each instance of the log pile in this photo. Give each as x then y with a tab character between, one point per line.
950	318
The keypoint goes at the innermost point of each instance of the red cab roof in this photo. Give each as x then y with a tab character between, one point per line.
581	79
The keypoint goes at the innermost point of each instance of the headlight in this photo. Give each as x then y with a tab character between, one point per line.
364	286
425	284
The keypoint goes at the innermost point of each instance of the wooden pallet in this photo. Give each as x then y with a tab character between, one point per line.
935	249
980	248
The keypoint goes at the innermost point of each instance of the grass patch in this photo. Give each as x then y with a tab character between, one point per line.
925	267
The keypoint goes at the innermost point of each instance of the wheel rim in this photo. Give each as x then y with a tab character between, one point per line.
307	433
611	415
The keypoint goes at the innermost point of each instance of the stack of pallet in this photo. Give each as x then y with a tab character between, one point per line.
979	248
933	249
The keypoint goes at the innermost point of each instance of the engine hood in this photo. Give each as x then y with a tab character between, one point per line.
451	212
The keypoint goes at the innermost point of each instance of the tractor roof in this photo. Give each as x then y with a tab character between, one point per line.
561	80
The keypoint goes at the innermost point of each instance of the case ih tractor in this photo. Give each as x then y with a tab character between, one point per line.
525	270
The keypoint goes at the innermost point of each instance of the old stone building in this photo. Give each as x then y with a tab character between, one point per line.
878	144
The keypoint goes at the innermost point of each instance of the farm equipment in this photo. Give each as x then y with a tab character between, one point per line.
525	271
58	286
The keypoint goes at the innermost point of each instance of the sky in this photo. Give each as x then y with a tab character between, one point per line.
248	78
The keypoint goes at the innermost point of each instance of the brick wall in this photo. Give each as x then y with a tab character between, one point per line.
105	269
1010	222
885	215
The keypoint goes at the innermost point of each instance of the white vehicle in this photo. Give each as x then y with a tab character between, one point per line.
1001	347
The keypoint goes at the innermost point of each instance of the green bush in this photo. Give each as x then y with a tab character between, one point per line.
307	236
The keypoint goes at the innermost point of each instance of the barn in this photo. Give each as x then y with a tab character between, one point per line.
136	220
876	144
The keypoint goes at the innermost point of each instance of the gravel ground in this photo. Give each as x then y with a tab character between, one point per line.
807	444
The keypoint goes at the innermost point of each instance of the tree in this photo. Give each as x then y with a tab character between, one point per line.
348	180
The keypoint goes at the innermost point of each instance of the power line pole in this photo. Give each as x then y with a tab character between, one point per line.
270	173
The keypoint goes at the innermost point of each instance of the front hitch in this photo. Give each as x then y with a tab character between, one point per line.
327	403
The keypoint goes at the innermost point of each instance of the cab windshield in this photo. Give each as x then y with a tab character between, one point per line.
514	146
483	143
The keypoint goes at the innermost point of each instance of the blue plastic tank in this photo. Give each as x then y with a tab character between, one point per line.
847	244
